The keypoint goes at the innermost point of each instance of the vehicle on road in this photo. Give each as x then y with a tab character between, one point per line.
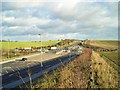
24	59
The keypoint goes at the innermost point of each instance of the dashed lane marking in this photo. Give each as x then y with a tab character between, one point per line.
6	71
11	74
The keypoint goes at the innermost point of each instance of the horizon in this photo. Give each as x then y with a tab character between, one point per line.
60	40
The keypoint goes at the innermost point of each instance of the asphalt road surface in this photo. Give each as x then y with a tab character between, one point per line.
33	60
15	74
12	71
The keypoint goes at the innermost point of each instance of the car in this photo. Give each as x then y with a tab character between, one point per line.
23	59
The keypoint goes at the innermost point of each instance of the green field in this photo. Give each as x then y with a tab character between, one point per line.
13	45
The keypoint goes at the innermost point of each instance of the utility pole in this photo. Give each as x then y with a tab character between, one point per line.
29	40
8	48
15	51
41	49
29	44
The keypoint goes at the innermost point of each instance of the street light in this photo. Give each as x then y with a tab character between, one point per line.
29	51
41	50
8	48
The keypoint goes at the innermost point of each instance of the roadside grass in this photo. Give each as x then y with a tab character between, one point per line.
13	45
74	74
105	76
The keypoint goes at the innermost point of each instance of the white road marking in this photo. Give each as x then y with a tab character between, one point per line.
7	67
18	68
12	69
1	88
28	66
11	75
0	74
48	66
6	71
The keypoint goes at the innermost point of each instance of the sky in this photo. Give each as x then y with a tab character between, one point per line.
75	19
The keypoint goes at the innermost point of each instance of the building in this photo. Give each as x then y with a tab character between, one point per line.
53	48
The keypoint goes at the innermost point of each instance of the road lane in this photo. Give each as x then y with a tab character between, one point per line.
11	77
34	66
37	75
33	60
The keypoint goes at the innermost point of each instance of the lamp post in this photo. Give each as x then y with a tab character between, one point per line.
29	51
41	50
15	51
8	48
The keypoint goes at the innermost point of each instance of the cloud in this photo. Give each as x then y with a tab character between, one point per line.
57	20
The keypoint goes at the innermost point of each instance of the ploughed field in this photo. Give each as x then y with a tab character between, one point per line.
111	58
113	44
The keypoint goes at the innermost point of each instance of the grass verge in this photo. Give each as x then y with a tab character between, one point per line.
105	76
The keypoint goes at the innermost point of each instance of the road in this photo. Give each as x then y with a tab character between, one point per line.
32	60
14	71
14	76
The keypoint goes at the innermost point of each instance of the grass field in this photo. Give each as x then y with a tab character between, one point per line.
104	43
13	45
111	57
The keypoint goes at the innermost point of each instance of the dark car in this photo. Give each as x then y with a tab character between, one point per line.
23	59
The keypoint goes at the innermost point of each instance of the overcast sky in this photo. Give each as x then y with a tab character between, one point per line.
23	21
